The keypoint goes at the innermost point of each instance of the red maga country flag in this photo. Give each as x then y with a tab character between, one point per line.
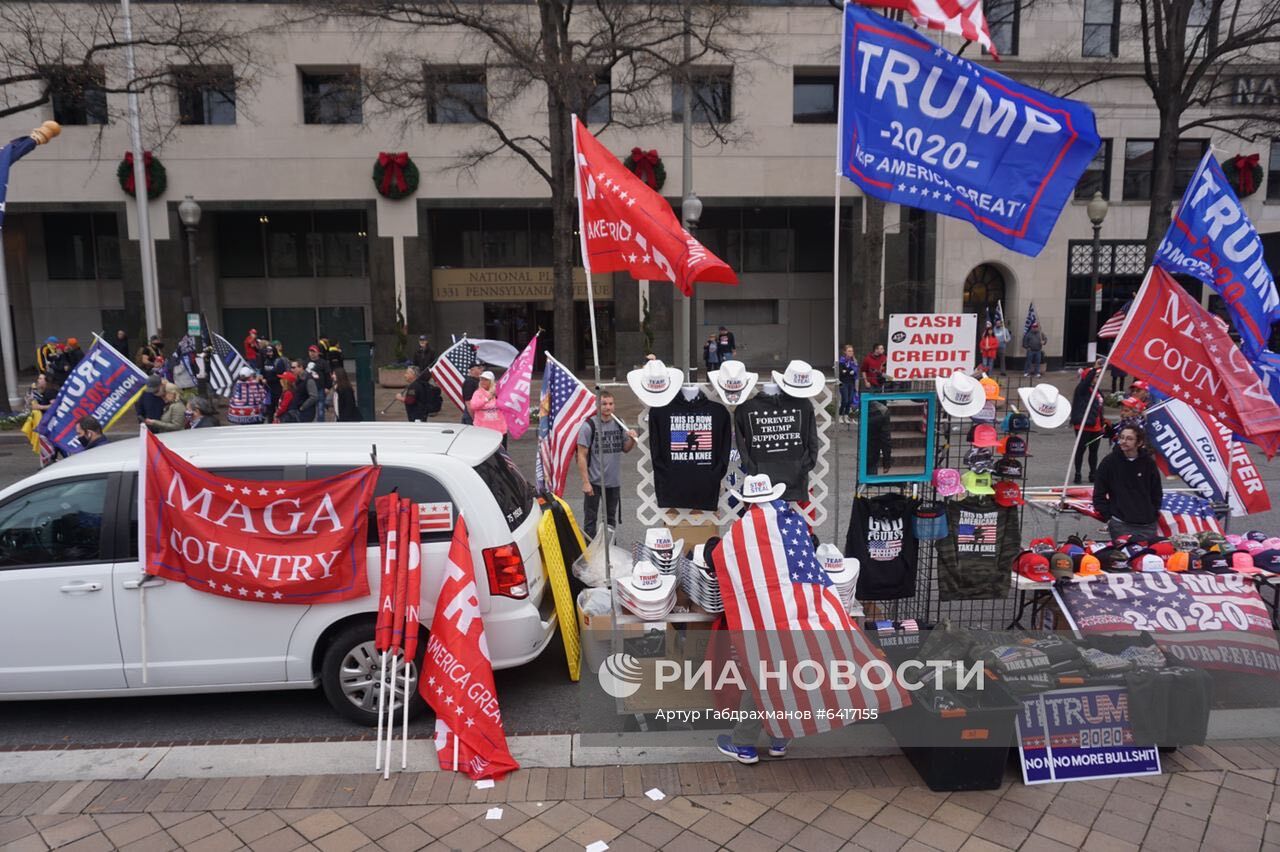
1184	352
277	542
457	676
627	227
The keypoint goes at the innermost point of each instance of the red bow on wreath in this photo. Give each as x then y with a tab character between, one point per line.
146	170
393	170
644	163
1244	173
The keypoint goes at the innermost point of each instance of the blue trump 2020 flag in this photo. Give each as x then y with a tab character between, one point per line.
9	154
923	127
103	385
1212	239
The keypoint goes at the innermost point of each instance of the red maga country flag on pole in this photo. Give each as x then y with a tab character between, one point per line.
1184	352
457	676
627	227
275	542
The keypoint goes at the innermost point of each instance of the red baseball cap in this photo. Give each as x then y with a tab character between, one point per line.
1034	567
985	435
1008	493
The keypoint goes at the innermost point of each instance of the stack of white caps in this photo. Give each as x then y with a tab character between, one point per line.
660	549
842	572
699	581
648	592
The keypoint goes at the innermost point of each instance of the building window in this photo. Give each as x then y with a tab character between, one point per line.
813	98
1097	175
1101	28
1273	172
78	94
293	244
599	109
1139	166
712	96
456	96
81	246
205	95
1002	22
736	312
331	97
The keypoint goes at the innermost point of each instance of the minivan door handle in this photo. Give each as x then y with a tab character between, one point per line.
149	580
73	588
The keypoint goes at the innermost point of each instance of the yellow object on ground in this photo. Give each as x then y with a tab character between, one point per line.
558	575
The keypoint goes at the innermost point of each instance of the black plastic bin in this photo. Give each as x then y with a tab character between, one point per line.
961	749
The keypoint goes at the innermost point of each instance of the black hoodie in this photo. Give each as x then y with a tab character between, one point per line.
777	435
1128	489
883	539
690	441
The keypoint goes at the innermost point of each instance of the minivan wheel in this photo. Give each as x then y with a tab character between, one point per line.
350	671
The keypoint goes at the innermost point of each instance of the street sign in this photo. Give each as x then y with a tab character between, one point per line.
193	324
926	346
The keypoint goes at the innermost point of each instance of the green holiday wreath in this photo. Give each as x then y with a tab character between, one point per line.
157	178
1244	174
395	175
647	166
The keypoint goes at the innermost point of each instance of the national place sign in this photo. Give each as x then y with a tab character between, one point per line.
925	128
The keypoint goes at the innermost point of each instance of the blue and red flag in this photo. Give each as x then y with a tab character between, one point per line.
103	386
10	154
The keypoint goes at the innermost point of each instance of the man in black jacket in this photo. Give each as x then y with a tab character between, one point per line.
421	398
423	357
1127	491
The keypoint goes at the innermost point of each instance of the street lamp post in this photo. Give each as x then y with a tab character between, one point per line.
189	214
1097	210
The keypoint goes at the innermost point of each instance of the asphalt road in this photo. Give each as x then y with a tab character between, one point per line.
536	698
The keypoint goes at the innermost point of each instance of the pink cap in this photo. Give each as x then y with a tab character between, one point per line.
1253	547
1272	543
1234	539
1242	563
946	480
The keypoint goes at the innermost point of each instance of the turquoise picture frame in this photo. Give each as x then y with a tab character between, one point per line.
930	401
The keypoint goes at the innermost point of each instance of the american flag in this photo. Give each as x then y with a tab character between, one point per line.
1186	513
451	369
963	18
224	366
1032	318
783	610
1111	328
965	533
571	404
435	517
695	439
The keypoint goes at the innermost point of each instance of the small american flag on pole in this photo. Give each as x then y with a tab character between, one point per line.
1186	513
1111	328
451	369
224	366
783	611
571	404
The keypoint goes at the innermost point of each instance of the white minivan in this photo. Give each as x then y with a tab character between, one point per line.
70	579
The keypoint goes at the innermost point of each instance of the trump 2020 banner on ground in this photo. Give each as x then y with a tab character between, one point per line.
923	127
103	386
291	542
1080	734
1212	239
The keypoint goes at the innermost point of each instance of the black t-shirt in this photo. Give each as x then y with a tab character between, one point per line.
726	345
881	536
975	560
690	442
777	435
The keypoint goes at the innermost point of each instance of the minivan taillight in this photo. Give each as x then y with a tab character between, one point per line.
506	571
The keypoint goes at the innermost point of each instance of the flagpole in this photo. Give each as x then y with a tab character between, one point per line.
835	262
142	546
404	737
382	700
150	292
391	720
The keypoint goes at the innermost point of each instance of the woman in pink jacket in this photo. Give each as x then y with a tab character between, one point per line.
484	407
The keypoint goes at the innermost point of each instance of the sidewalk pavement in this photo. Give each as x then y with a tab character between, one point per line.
1220	799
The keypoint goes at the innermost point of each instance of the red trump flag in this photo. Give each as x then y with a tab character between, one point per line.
1184	352
627	227
275	542
457	677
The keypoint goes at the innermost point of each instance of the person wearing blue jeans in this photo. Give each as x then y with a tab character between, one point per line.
849	398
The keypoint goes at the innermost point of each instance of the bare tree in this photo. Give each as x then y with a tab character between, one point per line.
1192	53
74	53
606	61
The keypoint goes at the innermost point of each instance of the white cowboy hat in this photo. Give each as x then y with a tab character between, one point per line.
647	591
800	380
660	546
840	571
655	384
961	394
1048	408
759	489
732	382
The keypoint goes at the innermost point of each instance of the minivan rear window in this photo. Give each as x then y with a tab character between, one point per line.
512	491
407	482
